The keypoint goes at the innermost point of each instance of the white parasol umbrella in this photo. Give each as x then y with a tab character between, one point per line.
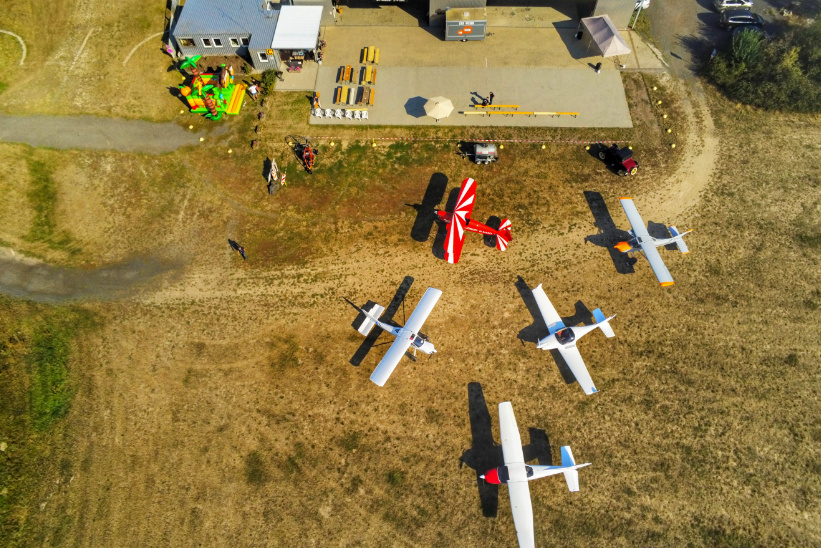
438	107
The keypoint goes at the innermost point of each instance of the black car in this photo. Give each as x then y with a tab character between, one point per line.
731	19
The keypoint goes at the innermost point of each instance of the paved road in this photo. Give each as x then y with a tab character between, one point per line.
95	132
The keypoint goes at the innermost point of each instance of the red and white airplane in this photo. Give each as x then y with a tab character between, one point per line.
459	221
515	474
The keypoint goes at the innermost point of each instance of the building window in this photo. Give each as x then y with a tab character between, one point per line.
217	43
186	42
245	41
263	56
206	42
234	42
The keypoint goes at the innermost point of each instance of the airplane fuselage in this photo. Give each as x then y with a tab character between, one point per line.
470	224
523	472
417	342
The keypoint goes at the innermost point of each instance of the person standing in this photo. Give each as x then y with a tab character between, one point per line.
491	96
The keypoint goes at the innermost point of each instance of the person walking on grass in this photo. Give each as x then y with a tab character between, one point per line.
238	248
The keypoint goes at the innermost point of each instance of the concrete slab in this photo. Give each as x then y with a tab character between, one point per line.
520	13
402	91
304	80
408	46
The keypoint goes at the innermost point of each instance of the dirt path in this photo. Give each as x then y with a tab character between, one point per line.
683	188
31	279
94	132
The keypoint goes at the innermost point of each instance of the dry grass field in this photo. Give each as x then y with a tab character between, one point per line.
74	61
218	406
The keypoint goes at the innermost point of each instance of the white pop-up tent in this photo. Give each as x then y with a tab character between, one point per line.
297	28
602	33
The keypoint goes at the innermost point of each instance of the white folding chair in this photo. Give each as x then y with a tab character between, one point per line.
364	114
357	115
338	113
349	114
318	113
328	113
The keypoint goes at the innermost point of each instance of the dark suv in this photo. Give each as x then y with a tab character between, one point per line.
731	19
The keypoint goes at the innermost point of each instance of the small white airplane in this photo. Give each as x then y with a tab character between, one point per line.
563	338
515	473
642	241
406	337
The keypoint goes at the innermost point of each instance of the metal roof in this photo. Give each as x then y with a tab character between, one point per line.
242	17
298	27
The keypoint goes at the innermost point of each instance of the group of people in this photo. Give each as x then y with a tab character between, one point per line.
487	101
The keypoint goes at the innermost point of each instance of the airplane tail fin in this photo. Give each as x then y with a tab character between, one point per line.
679	239
368	323
604	323
570	476
504	237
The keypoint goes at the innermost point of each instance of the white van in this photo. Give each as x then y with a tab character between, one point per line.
721	5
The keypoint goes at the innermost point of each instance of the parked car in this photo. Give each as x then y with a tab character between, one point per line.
731	19
723	5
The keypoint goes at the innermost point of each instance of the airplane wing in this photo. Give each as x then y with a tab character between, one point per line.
454	240
456	229
551	318
423	309
522	513
390	360
511	441
659	268
639	228
519	490
574	360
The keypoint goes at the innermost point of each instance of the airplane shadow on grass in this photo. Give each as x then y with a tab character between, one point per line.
387	317
538	330
609	234
485	454
426	213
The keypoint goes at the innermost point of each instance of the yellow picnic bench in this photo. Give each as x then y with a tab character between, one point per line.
476	105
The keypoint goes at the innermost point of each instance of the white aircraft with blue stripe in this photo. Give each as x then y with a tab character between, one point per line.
642	241
564	339
515	474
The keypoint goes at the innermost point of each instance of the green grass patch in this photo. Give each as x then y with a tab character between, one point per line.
255	471
42	196
35	393
284	354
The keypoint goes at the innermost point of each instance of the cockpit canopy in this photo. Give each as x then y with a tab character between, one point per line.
565	336
418	341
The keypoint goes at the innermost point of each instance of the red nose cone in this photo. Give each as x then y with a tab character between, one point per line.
492	476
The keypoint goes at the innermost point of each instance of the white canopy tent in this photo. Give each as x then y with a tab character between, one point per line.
602	33
297	28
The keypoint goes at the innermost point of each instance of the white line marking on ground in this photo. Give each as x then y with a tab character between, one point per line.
22	44
82	47
130	53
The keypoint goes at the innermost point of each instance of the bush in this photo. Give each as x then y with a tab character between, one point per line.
269	78
782	74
